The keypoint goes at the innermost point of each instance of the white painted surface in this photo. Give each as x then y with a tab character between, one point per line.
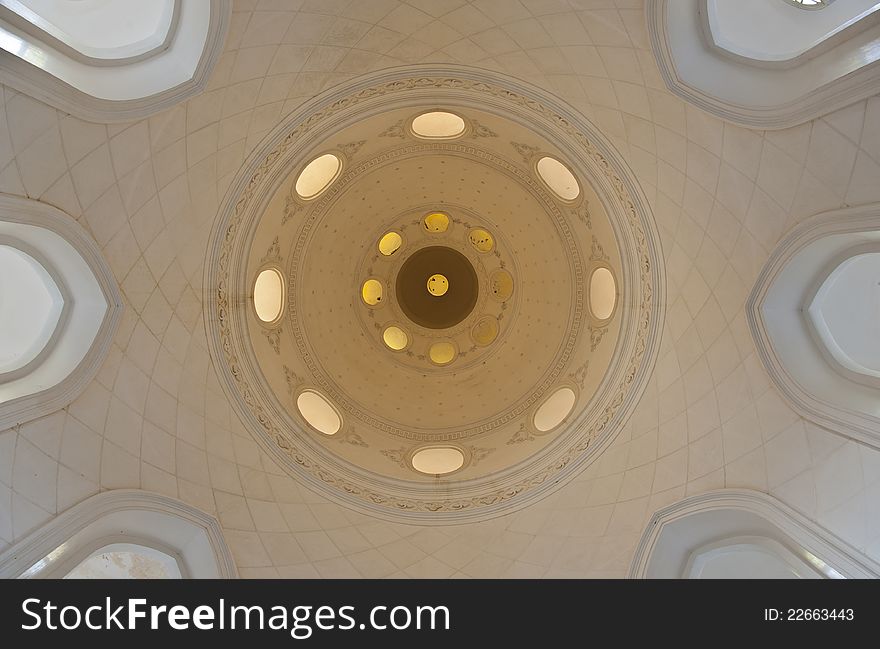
30	307
776	31
127	561
87	309
105	29
143	78
846	313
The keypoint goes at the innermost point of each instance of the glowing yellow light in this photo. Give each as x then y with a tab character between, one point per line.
371	292
390	243
436	222
442	353
481	240
438	285
395	338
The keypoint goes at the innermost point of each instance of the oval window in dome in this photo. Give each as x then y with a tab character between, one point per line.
317	175
558	178
438	124
395	338
269	295
603	293
555	409
438	460
318	412
442	353
390	243
481	240
436	222
371	292
485	331
501	285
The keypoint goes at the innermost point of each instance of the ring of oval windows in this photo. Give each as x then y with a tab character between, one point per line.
318	175
396	336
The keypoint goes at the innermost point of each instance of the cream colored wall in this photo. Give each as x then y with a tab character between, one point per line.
156	418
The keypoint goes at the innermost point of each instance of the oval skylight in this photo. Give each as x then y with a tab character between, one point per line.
390	243
438	460
371	292
603	293
436	222
319	413
501	285
30	308
269	295
485	331
555	409
395	338
317	175
438	124
481	240
558	178
442	353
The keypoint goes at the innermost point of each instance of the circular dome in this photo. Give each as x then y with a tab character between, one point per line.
484	349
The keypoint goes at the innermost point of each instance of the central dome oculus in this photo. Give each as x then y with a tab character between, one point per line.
452	287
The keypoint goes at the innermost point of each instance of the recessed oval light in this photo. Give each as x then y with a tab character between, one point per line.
317	175
395	338
558	178
438	460
554	410
603	293
319	412
442	353
485	331
481	240
438	125
371	292
390	243
269	295
501	285
436	222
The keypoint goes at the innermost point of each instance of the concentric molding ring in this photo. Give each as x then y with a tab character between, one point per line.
642	285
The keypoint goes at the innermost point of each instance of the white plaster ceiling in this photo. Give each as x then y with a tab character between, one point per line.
157	418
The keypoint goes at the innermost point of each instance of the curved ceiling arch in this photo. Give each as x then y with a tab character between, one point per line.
762	94
128	79
73	351
798	361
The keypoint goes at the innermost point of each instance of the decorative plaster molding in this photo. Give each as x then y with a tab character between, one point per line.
44	86
849	88
109	517
14	209
857	425
588	434
791	525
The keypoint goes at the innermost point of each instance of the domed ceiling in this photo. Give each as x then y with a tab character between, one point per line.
435	293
